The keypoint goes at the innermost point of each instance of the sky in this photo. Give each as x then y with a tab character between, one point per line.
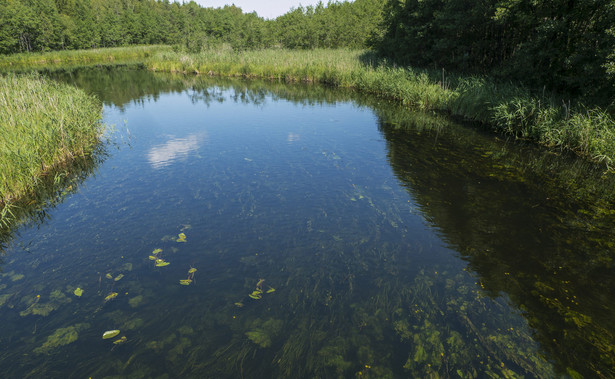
264	8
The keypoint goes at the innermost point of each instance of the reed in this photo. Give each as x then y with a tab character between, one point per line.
33	61
43	124
504	107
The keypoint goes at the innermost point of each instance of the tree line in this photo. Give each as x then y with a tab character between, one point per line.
564	45
45	25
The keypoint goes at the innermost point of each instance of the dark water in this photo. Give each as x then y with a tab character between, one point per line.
332	236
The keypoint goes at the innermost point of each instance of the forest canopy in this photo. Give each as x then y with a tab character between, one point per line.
564	45
45	25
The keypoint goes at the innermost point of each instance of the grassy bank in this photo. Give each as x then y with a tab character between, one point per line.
506	108
25	61
43	125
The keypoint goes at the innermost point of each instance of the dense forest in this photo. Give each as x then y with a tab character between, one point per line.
565	45
43	25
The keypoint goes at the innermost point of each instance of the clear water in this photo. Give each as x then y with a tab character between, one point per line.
332	235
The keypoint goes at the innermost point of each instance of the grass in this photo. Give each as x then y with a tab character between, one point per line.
33	61
43	125
505	107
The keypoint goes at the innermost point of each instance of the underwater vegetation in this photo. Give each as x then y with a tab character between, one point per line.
364	263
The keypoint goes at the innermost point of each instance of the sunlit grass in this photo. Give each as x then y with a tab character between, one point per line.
23	61
505	107
42	125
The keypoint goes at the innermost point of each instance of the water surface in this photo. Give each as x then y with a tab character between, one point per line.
333	235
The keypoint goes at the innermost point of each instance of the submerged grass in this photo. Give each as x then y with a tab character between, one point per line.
43	124
505	107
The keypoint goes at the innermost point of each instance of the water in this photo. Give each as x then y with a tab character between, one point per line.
333	235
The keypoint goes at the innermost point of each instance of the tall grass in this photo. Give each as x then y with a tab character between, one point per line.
43	124
24	61
505	107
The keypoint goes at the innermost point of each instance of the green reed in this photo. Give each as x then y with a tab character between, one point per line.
62	58
43	124
505	107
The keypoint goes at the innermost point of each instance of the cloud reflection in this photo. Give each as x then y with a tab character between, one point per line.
163	155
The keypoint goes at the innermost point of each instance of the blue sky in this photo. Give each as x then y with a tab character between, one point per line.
264	8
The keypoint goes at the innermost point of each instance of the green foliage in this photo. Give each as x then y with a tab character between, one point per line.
43	25
43	124
506	108
563	45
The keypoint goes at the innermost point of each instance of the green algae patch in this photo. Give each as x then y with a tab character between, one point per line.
37	308
61	337
135	301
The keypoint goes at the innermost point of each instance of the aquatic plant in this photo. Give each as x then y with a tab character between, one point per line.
61	337
43	125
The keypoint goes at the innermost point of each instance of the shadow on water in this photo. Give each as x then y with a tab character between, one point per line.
359	292
533	225
35	209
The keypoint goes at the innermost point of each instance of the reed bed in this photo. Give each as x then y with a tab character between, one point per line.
73	57
505	107
43	124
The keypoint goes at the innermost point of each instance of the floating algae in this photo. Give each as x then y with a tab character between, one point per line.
61	337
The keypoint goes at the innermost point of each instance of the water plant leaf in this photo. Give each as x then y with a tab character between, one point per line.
110	334
157	251
182	238
111	296
192	269
185	282
256	296
152	257
161	263
270	290
260	282
239	304
119	340
78	292
109	276
120	276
